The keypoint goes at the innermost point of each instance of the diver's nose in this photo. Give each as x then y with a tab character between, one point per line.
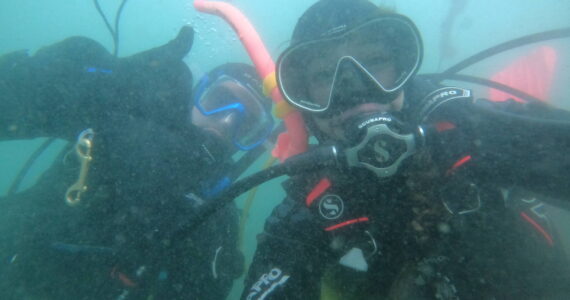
230	119
350	77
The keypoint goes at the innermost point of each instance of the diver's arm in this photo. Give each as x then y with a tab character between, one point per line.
503	143
287	263
75	84
58	92
523	144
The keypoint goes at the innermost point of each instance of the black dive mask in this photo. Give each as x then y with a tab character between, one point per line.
387	50
380	143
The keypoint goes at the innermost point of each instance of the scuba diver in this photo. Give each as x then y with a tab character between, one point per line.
99	223
430	194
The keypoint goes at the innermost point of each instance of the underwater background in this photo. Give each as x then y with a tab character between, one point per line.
451	32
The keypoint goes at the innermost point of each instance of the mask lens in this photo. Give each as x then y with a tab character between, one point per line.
216	97
255	126
386	49
240	108
306	73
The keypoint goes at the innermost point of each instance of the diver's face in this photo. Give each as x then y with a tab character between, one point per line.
219	125
353	93
348	77
230	121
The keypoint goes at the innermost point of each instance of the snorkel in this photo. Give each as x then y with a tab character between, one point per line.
295	139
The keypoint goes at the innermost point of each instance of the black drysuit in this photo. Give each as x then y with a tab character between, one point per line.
464	218
150	171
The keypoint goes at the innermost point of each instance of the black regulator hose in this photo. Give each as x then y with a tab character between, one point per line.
519	42
117	19
29	163
451	72
113	31
322	157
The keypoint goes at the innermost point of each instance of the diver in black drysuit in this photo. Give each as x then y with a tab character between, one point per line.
490	252
462	218
150	169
